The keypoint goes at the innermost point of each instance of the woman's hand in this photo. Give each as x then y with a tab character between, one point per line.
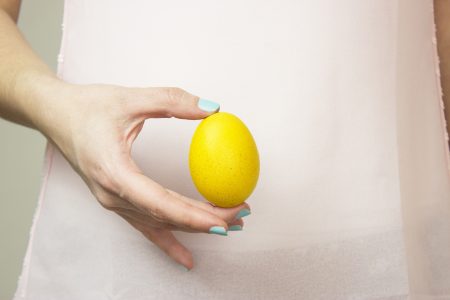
94	127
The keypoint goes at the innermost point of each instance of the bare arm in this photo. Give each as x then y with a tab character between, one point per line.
442	16
11	7
18	62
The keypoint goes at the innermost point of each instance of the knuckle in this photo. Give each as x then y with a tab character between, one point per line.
175	95
158	214
107	202
105	180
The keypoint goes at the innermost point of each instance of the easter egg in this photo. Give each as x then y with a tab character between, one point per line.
224	160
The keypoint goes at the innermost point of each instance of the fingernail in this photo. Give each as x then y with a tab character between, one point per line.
242	213
185	268
208	105
234	228
218	230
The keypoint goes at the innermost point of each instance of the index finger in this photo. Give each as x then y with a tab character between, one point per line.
154	200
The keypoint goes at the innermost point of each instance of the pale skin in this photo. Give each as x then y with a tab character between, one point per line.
94	127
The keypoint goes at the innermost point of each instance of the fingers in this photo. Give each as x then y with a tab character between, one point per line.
153	200
167	242
236	225
163	238
145	220
227	214
173	102
141	218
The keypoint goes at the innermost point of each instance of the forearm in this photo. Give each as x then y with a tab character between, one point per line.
442	16
24	77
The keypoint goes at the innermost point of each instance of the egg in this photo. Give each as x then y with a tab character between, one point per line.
224	160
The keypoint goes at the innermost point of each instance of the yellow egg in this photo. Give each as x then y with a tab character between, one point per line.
224	160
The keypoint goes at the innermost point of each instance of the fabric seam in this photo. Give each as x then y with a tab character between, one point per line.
22	286
23	279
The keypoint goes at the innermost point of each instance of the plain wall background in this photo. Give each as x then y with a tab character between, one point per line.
22	150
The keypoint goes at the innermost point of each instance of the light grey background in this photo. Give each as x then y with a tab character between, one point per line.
22	150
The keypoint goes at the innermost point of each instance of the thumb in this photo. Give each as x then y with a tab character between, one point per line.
175	102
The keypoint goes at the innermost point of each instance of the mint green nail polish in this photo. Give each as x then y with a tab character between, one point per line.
208	105
242	213
234	228
218	230
185	268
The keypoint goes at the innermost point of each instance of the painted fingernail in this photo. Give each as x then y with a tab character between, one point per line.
208	105
234	228
218	230
242	213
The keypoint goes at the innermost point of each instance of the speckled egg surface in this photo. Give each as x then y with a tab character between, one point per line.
224	160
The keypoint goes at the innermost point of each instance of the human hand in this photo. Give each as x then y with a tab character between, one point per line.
94	127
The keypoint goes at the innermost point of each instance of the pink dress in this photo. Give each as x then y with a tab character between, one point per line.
344	101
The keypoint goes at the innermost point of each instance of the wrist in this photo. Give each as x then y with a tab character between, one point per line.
40	98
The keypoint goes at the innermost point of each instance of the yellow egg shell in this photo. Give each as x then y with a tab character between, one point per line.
224	160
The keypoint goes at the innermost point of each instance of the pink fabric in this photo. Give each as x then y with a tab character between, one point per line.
344	101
